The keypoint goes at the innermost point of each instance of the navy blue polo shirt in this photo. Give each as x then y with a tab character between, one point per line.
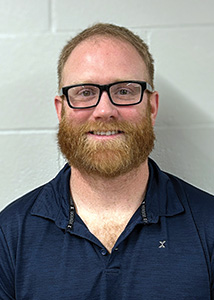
166	254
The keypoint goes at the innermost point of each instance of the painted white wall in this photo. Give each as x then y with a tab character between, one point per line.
180	35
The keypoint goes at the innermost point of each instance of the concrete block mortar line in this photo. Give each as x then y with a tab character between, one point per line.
185	127
173	26
27	131
152	29
52	17
149	28
26	33
148	35
14	36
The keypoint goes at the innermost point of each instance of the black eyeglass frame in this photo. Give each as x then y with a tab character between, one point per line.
105	88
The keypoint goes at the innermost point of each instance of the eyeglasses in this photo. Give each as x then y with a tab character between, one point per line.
122	93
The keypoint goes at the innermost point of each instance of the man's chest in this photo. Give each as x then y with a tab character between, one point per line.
107	232
148	262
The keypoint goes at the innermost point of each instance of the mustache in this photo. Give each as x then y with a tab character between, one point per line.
120	126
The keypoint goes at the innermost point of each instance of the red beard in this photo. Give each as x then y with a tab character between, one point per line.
109	158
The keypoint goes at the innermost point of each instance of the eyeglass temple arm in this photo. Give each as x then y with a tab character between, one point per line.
149	88
60	93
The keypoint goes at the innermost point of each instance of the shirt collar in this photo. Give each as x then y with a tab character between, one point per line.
53	201
161	197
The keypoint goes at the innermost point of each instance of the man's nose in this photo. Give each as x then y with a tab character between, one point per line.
105	110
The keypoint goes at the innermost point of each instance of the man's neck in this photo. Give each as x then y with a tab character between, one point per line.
98	193
107	205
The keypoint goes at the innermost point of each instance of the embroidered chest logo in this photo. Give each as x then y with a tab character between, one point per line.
162	244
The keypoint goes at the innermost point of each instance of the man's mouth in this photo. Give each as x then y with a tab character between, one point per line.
105	133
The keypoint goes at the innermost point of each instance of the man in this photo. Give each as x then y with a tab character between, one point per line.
113	226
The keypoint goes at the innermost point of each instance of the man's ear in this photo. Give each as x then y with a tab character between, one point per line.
58	106
154	102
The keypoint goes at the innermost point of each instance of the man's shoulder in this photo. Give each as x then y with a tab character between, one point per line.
200	202
182	188
20	207
191	191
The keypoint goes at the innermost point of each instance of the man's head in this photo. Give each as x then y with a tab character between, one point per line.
109	138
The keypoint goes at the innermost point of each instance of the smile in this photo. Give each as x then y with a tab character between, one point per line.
106	133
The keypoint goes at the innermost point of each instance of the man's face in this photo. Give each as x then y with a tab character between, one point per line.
106	140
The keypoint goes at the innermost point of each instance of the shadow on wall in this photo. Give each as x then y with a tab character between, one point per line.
184	137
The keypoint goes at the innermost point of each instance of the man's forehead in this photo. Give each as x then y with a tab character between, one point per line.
101	53
105	43
97	41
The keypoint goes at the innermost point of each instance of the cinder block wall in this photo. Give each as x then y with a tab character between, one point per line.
181	37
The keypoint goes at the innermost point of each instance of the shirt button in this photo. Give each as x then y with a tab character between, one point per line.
116	249
103	252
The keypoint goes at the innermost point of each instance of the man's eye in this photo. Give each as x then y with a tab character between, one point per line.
86	93
123	92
